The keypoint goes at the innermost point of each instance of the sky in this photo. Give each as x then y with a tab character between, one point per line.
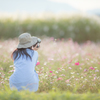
32	6
82	5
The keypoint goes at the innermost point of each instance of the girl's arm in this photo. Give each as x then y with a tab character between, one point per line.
35	48
36	56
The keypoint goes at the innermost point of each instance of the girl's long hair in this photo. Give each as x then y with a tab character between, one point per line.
21	51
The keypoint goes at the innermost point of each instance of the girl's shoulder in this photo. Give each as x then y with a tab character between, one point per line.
33	51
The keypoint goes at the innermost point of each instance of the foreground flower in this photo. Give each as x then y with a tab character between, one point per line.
85	70
37	63
92	68
97	70
67	81
53	74
50	71
70	61
77	63
59	78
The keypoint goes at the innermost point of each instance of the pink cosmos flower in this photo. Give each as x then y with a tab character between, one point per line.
64	57
92	68
70	61
53	74
85	70
38	63
40	73
50	71
77	63
58	68
89	54
1	68
59	78
49	75
99	63
67	81
52	38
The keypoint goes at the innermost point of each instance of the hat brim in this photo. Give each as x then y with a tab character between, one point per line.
29	44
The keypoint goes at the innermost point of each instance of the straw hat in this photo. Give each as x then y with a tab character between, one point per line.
26	40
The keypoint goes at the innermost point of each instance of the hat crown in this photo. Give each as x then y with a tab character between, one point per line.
24	38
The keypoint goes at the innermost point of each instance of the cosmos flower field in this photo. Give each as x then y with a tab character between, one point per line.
62	64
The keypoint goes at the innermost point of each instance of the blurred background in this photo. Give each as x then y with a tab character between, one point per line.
76	19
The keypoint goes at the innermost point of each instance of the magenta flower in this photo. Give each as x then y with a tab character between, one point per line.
77	63
92	68
50	71
37	63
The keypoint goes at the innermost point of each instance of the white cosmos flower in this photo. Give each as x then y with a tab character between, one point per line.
0	46
46	75
55	76
97	70
56	71
45	63
63	69
70	68
72	72
11	66
68	84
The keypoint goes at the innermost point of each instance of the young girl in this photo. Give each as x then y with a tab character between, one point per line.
25	59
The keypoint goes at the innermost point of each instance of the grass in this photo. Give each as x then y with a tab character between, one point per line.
65	65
